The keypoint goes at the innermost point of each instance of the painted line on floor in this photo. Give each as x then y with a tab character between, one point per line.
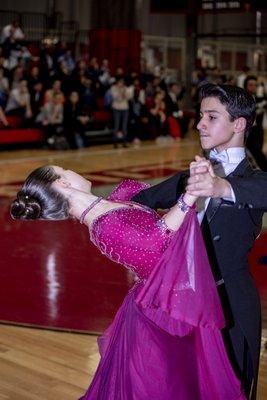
82	153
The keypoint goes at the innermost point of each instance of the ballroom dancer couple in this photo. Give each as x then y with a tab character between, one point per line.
190	327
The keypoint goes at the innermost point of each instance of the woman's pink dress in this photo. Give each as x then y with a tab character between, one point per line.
165	342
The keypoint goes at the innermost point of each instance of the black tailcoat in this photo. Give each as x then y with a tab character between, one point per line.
229	234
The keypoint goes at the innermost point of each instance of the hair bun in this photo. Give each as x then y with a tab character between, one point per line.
25	207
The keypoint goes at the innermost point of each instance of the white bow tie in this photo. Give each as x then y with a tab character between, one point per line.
218	158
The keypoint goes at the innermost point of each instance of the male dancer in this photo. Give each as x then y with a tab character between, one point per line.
232	200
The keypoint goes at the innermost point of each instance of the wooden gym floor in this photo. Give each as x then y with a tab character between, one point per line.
56	365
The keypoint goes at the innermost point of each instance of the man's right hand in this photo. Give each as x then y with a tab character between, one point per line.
204	183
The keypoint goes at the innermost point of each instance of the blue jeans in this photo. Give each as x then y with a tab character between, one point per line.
120	118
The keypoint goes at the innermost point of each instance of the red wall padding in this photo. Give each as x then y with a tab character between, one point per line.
20	135
120	46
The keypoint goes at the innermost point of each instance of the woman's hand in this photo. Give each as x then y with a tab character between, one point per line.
189	199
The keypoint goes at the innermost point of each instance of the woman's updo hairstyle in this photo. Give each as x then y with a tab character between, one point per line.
37	198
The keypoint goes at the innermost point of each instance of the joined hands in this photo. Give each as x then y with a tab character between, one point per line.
204	183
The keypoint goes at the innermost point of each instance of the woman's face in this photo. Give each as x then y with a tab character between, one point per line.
73	180
57	85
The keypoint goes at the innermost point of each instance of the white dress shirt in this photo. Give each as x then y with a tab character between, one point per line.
224	164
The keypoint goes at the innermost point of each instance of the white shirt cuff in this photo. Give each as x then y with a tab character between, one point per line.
232	197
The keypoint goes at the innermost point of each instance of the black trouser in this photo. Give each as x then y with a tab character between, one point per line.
237	348
238	352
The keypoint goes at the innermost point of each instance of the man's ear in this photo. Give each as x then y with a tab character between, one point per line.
240	125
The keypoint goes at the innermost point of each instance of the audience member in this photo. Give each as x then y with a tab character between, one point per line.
12	31
51	119
240	80
4	88
138	117
158	125
147	104
255	137
16	76
37	98
75	121
19	102
54	90
33	77
3	118
120	107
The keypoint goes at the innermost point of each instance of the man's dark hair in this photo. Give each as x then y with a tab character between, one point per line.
237	101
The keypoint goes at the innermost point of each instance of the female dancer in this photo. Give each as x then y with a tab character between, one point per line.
165	341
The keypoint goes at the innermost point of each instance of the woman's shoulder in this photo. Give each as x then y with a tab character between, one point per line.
126	189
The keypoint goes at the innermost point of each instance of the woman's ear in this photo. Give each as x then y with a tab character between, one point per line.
240	125
61	182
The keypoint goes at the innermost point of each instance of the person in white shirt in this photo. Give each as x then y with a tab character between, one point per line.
120	107
13	31
241	78
19	102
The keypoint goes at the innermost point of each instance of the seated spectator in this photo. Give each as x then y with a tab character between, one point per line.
55	90
11	38
104	77
63	75
15	52
3	119
86	91
12	31
19	58
4	86
80	70
37	98
34	77
19	102
158	116
51	118
93	70
17	75
67	60
75	121
3	63
60	49
47	62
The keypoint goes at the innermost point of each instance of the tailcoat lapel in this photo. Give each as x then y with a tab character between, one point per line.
242	169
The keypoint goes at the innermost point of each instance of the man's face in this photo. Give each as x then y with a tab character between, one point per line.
215	128
175	89
74	97
251	86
